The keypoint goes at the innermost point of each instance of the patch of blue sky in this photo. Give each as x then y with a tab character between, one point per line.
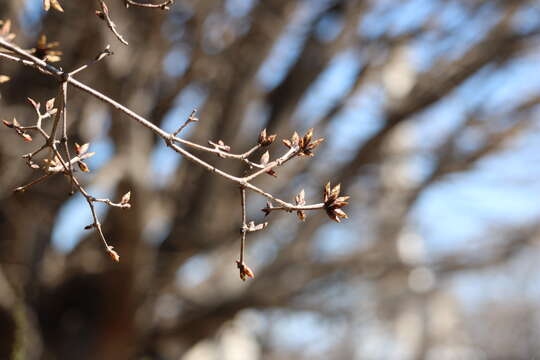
73	216
526	18
31	16
396	18
486	90
287	48
194	271
517	280
336	240
513	85
468	204
177	61
156	229
164	160
239	8
443	219
304	331
329	27
329	87
104	149
456	212
361	118
454	38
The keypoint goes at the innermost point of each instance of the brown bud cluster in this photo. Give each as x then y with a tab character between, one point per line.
333	202
268	209
18	129
245	271
125	199
81	151
305	143
54	3
45	50
265	140
113	254
265	158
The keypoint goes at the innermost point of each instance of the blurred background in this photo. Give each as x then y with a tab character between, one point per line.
430	109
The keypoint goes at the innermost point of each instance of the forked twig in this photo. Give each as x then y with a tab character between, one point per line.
297	147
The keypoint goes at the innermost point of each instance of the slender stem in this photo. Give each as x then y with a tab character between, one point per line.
278	162
244	224
164	5
104	14
31	183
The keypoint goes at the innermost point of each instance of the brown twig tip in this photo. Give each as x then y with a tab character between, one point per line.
113	254
124	202
265	140
104	15
189	120
305	143
267	210
245	271
18	129
333	202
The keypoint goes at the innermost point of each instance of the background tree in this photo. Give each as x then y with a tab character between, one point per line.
429	109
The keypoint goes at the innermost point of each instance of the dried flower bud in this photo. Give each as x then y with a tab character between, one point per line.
265	140
267	210
300	198
295	139
83	166
245	271
251	227
49	105
113	254
272	173
265	158
125	198
81	149
54	3
333	202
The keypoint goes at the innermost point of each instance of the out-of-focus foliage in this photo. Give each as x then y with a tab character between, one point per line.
430	111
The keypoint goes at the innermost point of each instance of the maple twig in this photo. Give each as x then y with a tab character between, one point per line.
104	15
298	146
164	5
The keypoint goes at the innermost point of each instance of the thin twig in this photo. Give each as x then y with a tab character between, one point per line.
164	5
243	230
297	147
104	15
